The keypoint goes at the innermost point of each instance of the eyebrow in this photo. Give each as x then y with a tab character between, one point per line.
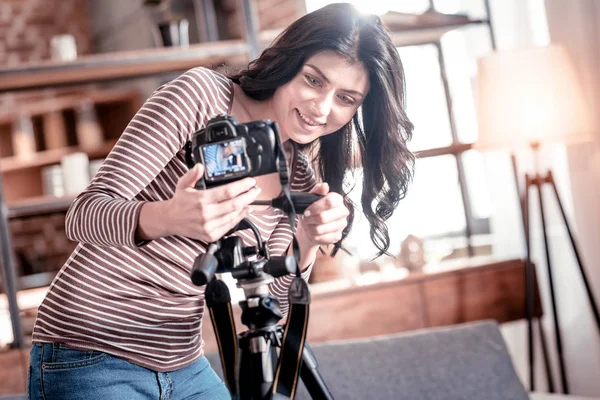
318	71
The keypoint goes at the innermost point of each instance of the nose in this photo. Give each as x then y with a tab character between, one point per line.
322	105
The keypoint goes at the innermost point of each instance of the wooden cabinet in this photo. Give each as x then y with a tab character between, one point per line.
452	293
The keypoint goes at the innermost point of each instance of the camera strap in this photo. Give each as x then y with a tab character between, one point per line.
218	300
294	335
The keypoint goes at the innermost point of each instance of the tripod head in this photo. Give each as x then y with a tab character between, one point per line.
230	255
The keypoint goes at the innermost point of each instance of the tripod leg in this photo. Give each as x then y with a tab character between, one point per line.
310	376
588	288
529	288
549	376
559	349
256	370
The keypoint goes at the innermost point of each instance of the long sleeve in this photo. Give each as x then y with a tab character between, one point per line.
107	212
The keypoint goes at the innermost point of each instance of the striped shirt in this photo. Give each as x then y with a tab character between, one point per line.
136	300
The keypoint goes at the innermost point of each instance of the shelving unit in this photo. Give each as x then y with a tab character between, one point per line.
49	157
22	175
121	65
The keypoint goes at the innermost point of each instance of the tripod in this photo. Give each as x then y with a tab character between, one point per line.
259	347
538	181
259	363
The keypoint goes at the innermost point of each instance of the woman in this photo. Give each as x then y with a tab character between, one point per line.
121	319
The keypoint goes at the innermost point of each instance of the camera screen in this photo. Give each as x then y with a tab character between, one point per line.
224	158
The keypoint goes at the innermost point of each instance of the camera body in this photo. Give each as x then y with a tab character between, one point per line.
231	151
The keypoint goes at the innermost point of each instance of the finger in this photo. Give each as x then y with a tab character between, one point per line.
216	224
327	216
320	188
329	238
332	227
331	200
220	226
233	205
189	179
230	190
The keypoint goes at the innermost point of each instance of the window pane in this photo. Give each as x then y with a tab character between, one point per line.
462	48
479	191
426	99
433	207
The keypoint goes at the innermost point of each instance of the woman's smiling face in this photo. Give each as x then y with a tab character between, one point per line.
322	97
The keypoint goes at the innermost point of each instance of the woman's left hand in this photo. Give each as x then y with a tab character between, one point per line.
323	221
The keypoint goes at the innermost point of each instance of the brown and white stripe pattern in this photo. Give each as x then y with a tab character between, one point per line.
136	300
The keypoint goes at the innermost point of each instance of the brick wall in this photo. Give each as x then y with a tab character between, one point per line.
26	27
40	243
271	14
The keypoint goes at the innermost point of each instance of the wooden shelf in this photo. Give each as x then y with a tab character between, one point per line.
424	35
49	157
120	65
38	206
69	101
405	34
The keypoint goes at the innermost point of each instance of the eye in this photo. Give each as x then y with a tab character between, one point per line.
346	100
312	80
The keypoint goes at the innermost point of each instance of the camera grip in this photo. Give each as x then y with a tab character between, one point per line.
303	200
300	200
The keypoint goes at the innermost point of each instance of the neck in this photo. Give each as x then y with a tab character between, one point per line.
256	110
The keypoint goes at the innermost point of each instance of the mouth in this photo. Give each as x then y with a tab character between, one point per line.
308	121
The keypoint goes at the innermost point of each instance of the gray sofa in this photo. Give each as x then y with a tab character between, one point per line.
462	362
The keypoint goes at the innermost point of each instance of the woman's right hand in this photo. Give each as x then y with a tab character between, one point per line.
208	215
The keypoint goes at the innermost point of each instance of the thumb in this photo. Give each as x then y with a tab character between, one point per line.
189	179
320	188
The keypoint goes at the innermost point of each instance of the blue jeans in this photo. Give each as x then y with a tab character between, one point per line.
59	372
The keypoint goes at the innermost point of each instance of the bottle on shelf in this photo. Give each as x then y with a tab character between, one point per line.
23	137
88	130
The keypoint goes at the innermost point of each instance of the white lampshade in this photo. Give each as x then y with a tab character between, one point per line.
528	96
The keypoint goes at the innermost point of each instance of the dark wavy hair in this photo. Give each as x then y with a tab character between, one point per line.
381	126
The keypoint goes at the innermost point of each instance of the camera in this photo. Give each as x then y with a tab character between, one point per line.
230	150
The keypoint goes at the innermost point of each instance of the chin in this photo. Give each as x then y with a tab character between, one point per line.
302	140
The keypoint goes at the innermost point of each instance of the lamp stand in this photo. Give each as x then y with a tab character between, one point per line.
538	181
531	295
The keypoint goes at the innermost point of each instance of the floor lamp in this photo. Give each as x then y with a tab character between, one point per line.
527	99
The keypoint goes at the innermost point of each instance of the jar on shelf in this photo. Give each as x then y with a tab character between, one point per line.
88	130
23	137
75	172
52	180
55	130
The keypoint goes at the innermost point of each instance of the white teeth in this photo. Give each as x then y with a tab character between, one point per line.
308	121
